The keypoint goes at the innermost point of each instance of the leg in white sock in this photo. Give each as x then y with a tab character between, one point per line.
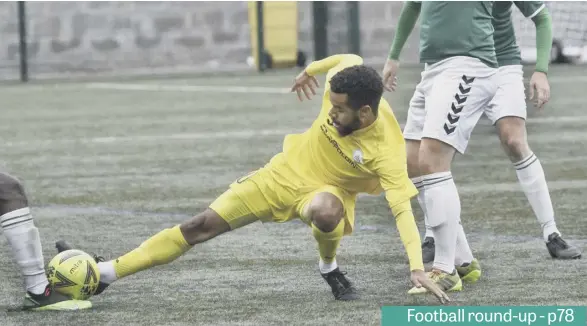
419	184
327	268
428	247
25	241
429	233
533	183
463	254
107	272
512	134
443	209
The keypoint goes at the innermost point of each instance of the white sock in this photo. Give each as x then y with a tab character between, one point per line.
25	241
429	233
443	208
463	254
327	268
532	180
419	184
107	272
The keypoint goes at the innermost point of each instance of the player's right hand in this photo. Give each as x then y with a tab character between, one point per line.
539	91
306	84
390	74
420	279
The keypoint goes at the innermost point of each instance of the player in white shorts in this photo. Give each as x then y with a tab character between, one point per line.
507	111
458	83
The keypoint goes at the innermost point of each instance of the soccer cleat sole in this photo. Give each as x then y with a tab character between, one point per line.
70	305
348	297
576	256
566	258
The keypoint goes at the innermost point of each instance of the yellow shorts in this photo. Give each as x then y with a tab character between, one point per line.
267	195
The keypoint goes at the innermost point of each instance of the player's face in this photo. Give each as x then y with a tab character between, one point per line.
343	118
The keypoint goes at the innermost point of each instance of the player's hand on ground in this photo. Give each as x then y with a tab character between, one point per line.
390	74
539	92
306	84
420	279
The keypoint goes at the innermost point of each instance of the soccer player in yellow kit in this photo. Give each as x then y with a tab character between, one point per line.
355	145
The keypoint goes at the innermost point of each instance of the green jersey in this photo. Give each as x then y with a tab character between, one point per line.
506	48
456	28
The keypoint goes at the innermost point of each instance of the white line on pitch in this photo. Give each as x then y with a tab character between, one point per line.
544	138
187	136
557	119
567	79
228	89
506	162
468	189
243	89
515	186
189	88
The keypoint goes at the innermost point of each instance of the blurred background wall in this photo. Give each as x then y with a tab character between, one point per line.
99	37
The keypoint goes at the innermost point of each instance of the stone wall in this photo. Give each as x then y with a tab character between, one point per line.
122	37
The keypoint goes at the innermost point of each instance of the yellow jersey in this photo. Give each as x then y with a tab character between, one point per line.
369	160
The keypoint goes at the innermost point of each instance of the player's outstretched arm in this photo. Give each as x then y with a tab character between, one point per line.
539	87
306	81
406	226
399	189
406	22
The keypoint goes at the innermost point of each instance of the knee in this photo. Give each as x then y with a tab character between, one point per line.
512	135
326	211
515	146
203	227
12	194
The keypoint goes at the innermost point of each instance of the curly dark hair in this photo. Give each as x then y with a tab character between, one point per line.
362	85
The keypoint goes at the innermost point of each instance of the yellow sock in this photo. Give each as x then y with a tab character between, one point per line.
328	242
162	248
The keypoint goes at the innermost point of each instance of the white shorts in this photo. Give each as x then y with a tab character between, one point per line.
510	99
449	100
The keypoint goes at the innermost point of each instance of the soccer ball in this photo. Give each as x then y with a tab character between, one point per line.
74	273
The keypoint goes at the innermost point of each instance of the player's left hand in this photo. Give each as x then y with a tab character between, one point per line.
306	84
420	279
539	91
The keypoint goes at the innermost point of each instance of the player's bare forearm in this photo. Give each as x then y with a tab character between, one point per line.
334	62
408	231
406	22
543	23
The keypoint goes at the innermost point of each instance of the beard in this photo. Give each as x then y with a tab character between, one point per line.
350	128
